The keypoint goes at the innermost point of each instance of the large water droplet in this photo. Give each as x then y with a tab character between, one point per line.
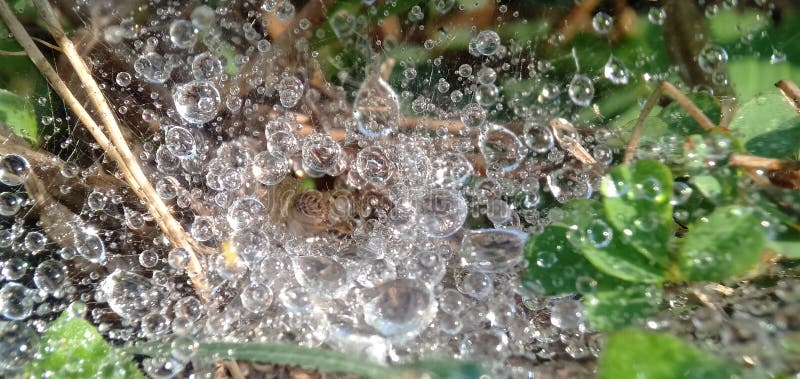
581	90
399	309
615	71
487	42
290	91
269	169
376	107
90	246
129	295
321	275
374	166
16	301
206	66
182	34
50	275
14	170
492	250
153	67
18	345
501	148
442	212
197	101
712	58
321	152
180	142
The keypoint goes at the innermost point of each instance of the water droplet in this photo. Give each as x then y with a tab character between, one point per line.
777	57
206	66
123	79
473	115
35	242
269	169
129	295
321	152
153	68
203	17
14	170
486	75
442	212
182	34
256	298
90	246
96	201
599	234
148	258
399	309
343	23
180	142
546	259
712	58
501	148
443	6
197	101
18	347
374	166
10	204
581	90
476	284
567	314
615	71
492	250
487	42
290	91
16	301
376	107
321	275
602	22
540	139
657	15
246	212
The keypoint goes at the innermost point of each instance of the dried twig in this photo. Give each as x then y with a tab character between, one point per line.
116	146
688	105
636	134
761	163
682	100
130	167
791	91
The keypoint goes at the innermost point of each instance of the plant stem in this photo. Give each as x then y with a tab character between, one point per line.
688	105
761	163
791	91
132	170
636	134
323	360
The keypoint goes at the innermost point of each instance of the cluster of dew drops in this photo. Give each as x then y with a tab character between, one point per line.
411	244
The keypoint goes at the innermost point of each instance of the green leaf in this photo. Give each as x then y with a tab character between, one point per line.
556	264
708	186
73	348
768	126
752	76
332	361
18	114
728	244
633	354
789	249
607	248
637	203
623	261
621	306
